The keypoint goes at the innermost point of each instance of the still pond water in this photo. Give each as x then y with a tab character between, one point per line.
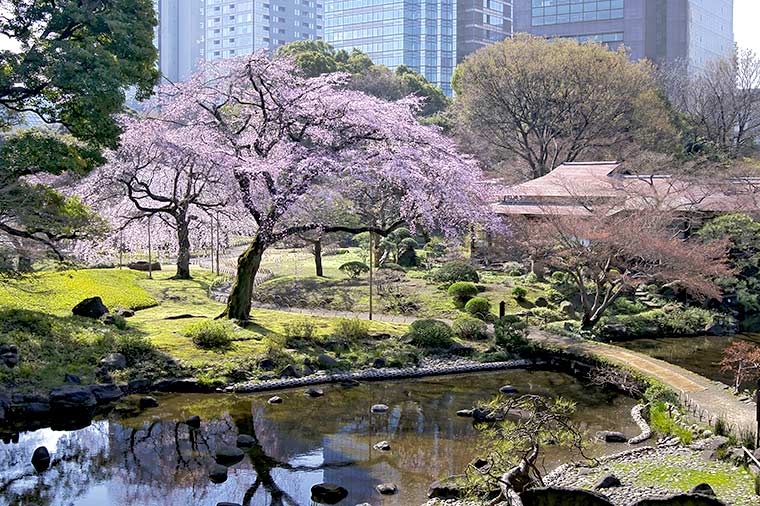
151	459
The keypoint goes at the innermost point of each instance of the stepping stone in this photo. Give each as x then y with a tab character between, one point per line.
379	408
383	446
387	488
275	400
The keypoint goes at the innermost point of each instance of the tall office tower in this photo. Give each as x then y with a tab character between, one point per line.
482	22
235	27
694	31
178	37
420	34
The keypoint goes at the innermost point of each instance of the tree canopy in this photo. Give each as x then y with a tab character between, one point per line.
74	62
552	101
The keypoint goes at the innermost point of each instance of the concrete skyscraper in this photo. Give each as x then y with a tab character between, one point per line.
694	31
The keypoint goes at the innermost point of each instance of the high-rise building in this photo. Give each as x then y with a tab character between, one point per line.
189	31
482	22
420	34
693	31
178	37
235	27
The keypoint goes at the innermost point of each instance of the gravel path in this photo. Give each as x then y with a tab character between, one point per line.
703	398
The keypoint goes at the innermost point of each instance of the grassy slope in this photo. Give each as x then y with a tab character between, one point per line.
35	314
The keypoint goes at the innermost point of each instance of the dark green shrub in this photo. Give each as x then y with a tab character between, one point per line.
462	291
519	293
430	334
541	302
119	322
479	307
354	269
452	272
210	335
472	329
351	329
657	392
511	333
392	267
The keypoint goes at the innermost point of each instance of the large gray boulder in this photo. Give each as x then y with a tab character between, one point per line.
113	362
106	393
682	500
555	496
72	397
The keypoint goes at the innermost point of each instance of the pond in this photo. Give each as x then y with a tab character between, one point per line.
152	459
701	354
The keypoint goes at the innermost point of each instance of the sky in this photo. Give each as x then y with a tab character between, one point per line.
746	30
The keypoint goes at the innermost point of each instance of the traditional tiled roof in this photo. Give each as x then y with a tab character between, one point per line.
573	189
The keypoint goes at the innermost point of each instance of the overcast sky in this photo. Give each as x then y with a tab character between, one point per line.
746	29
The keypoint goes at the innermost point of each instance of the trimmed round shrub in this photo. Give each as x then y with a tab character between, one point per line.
430	334
479	307
519	293
452	272
210	335
472	329
354	269
462	291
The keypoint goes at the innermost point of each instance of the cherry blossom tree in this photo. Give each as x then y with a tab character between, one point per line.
742	359
289	135
161	170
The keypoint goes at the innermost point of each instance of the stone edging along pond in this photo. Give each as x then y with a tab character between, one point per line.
80	401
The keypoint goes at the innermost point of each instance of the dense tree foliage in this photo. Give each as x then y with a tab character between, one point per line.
548	102
73	63
318	57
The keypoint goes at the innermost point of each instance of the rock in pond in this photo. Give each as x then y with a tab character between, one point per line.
608	481
106	393
147	402
611	437
275	400
379	408
92	307
218	473
193	422
245	441
41	459
229	455
387	488
328	493
72	397
314	392
465	413
383	446
508	389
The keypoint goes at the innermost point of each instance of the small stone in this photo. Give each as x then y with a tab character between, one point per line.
479	463
703	489
194	422
245	441
289	371
349	383
379	408
325	361
608	481
114	362
267	364
147	402
217	473
465	413
508	389
314	392
387	488
378	363
72	379
383	446
41	459
275	400
106	393
124	312
228	455
328	493
611	436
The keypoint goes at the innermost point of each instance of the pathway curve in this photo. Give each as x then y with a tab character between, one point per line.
705	399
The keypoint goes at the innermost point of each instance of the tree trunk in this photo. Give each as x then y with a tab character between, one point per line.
318	258
183	255
587	323
24	263
239	302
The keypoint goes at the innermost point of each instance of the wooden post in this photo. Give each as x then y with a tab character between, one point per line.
502	309
757	415
150	255
371	267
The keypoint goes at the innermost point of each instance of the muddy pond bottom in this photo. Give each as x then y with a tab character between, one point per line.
154	459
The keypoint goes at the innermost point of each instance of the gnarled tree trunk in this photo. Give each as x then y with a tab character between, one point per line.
239	301
318	258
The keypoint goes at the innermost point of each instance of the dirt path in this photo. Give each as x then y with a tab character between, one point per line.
706	400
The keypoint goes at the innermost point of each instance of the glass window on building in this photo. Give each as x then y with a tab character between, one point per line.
553	12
